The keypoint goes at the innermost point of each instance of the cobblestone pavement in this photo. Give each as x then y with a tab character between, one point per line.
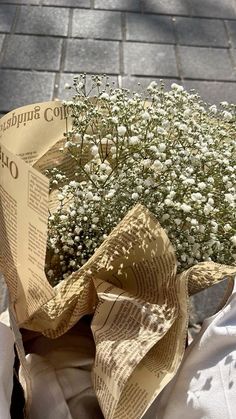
44	42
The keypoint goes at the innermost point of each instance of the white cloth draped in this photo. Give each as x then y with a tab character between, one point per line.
7	358
205	385
203	388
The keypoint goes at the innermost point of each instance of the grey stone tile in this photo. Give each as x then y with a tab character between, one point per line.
1	41
140	84
150	28
205	32
67	3
33	2
213	92
133	5
92	56
43	21
68	78
231	26
172	7
150	60
7	13
36	53
213	8
206	63
96	24
19	88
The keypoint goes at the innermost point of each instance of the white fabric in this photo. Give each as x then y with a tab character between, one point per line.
7	357
60	373
205	385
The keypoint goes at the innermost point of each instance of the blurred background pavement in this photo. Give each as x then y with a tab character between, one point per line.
43	43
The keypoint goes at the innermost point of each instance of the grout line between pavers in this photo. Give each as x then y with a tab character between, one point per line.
162	77
176	48
8	35
122	42
141	7
63	55
64	37
227	33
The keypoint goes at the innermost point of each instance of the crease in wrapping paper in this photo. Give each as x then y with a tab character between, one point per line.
139	303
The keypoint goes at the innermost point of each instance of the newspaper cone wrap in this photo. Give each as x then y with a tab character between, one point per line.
139	303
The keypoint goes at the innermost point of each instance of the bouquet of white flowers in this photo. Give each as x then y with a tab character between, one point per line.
168	151
141	190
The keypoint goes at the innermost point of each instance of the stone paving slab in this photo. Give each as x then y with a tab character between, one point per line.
213	8
34	2
206	63
67	3
7	14
43	21
101	24
160	58
92	56
19	88
211	91
170	7
33	53
149	28
127	5
201	32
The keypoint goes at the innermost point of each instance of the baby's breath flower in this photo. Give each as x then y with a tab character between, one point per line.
121	130
176	156
233	240
185	208
135	196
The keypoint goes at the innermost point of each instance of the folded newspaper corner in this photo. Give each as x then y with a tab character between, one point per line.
138	304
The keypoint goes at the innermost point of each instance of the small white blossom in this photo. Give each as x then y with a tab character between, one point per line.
177	87
152	85
157	164
233	240
160	130
135	196
185	208
94	150
207	209
229	198
121	130
227	227
162	147
104	96
134	140
145	115
115	120
202	185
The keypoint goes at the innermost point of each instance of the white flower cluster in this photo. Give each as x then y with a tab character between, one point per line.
172	153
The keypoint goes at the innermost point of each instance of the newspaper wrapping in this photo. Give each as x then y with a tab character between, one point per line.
130	285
